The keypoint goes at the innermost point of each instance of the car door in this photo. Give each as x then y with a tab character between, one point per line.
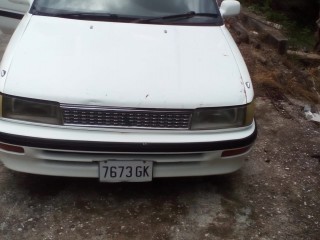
11	14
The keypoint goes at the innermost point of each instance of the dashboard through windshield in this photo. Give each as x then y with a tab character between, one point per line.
140	11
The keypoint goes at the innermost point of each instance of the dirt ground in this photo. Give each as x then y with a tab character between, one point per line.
275	195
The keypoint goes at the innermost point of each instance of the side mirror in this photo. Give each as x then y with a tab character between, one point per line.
24	2
230	8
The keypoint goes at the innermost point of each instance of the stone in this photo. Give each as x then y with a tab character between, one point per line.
307	108
308	115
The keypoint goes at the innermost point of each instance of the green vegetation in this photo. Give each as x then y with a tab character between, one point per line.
297	18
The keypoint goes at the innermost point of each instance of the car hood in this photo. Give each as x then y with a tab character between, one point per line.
125	65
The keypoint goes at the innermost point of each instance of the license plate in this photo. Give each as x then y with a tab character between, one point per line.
125	171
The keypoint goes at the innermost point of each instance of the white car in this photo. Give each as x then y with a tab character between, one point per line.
125	90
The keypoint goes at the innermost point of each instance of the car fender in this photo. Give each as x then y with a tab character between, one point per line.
9	53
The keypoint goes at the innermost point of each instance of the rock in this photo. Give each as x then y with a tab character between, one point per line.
316	117
308	115
307	108
311	113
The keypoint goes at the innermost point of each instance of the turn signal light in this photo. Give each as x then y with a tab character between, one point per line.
234	152
11	148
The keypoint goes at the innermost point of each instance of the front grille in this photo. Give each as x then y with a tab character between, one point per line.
125	118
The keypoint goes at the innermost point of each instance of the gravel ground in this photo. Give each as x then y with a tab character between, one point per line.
274	196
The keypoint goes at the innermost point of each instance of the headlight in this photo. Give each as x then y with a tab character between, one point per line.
221	118
30	110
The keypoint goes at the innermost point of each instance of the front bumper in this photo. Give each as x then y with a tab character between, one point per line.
76	152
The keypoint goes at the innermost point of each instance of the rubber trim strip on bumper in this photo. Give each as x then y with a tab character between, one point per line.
11	14
125	147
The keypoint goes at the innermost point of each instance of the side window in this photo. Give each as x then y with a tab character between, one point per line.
10	14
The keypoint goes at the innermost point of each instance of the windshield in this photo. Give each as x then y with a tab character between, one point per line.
206	10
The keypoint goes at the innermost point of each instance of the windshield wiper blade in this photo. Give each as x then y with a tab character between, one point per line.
178	16
77	15
86	15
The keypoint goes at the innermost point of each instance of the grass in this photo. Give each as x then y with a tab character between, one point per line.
300	37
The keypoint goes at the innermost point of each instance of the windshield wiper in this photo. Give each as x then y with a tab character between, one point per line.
77	15
178	16
86	15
